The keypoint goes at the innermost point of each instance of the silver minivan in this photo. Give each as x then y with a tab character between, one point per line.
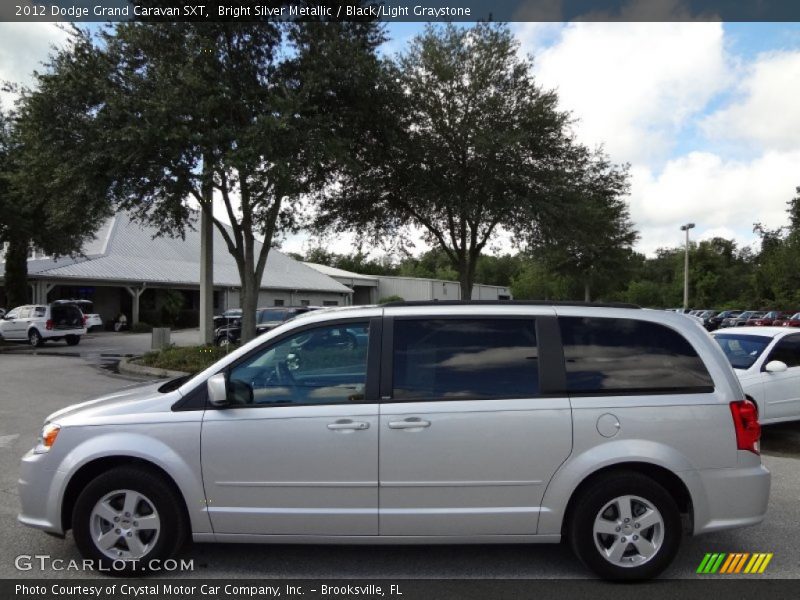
615	429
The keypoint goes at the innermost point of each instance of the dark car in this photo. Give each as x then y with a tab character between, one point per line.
227	318
743	318
716	321
768	319
266	320
706	315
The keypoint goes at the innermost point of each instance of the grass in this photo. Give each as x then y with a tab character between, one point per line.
190	359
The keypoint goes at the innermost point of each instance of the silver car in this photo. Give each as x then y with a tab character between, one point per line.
615	429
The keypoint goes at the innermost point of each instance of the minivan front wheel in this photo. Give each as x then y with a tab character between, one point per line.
126	518
625	527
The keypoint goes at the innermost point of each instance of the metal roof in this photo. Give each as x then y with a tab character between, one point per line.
341	273
126	251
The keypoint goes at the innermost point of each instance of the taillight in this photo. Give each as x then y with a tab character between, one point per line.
48	324
748	429
85	320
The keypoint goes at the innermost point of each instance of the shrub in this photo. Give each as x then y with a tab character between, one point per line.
394	298
191	359
141	327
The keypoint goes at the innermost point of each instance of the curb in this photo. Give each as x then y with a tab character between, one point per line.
126	365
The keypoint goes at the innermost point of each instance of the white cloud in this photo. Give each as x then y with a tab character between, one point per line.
24	48
767	111
722	197
633	86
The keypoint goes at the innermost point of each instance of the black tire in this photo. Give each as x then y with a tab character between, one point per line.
35	338
599	494
73	340
166	503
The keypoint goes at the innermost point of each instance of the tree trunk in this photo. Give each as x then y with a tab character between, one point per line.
16	276
587	295
249	303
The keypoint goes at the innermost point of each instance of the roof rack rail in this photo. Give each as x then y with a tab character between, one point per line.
512	303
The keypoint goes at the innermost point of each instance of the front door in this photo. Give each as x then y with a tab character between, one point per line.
467	444
297	451
782	390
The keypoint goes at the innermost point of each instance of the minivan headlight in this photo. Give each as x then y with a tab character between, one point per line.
47	438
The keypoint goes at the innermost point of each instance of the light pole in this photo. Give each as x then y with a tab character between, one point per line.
686	228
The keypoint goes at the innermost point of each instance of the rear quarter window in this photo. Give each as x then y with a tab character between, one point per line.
627	355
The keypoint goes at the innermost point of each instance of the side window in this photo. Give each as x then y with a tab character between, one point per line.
787	351
452	359
14	314
24	313
627	355
326	365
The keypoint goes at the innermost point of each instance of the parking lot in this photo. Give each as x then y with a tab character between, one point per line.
35	384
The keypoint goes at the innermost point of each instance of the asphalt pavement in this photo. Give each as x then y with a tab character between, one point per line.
32	385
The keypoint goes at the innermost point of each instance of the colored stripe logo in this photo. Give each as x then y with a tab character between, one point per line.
733	563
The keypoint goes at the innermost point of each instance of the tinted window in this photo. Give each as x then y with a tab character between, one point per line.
465	359
327	365
742	350
787	351
626	355
271	315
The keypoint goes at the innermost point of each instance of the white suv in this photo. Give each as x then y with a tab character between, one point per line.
615	429
39	323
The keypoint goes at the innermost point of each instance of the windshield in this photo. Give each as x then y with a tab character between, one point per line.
742	350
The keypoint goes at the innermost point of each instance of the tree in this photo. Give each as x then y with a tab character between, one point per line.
56	172
598	243
469	145
254	114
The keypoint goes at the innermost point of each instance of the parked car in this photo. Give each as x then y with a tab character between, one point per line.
92	319
792	321
266	320
716	322
767	319
741	319
39	323
612	428
705	316
767	362
227	318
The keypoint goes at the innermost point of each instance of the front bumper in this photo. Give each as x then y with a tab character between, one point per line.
40	494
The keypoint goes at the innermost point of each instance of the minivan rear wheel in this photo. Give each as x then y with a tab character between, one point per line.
625	527
73	340
126	518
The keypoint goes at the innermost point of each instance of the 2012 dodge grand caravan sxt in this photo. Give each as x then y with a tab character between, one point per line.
612	428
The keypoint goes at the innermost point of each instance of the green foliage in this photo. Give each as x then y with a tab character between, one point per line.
469	144
192	359
393	298
172	303
141	327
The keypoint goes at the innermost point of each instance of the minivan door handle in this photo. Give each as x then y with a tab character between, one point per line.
412	423
348	424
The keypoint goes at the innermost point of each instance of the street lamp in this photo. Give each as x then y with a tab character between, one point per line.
686	228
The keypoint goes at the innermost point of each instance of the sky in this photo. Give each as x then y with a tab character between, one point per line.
707	114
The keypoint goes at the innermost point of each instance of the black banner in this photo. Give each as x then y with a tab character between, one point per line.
401	589
400	10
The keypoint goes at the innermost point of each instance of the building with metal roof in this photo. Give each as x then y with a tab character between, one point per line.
127	269
369	289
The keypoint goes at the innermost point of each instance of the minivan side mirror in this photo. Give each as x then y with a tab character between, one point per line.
775	366
217	390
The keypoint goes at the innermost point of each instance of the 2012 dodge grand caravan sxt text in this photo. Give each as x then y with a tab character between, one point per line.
612	428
